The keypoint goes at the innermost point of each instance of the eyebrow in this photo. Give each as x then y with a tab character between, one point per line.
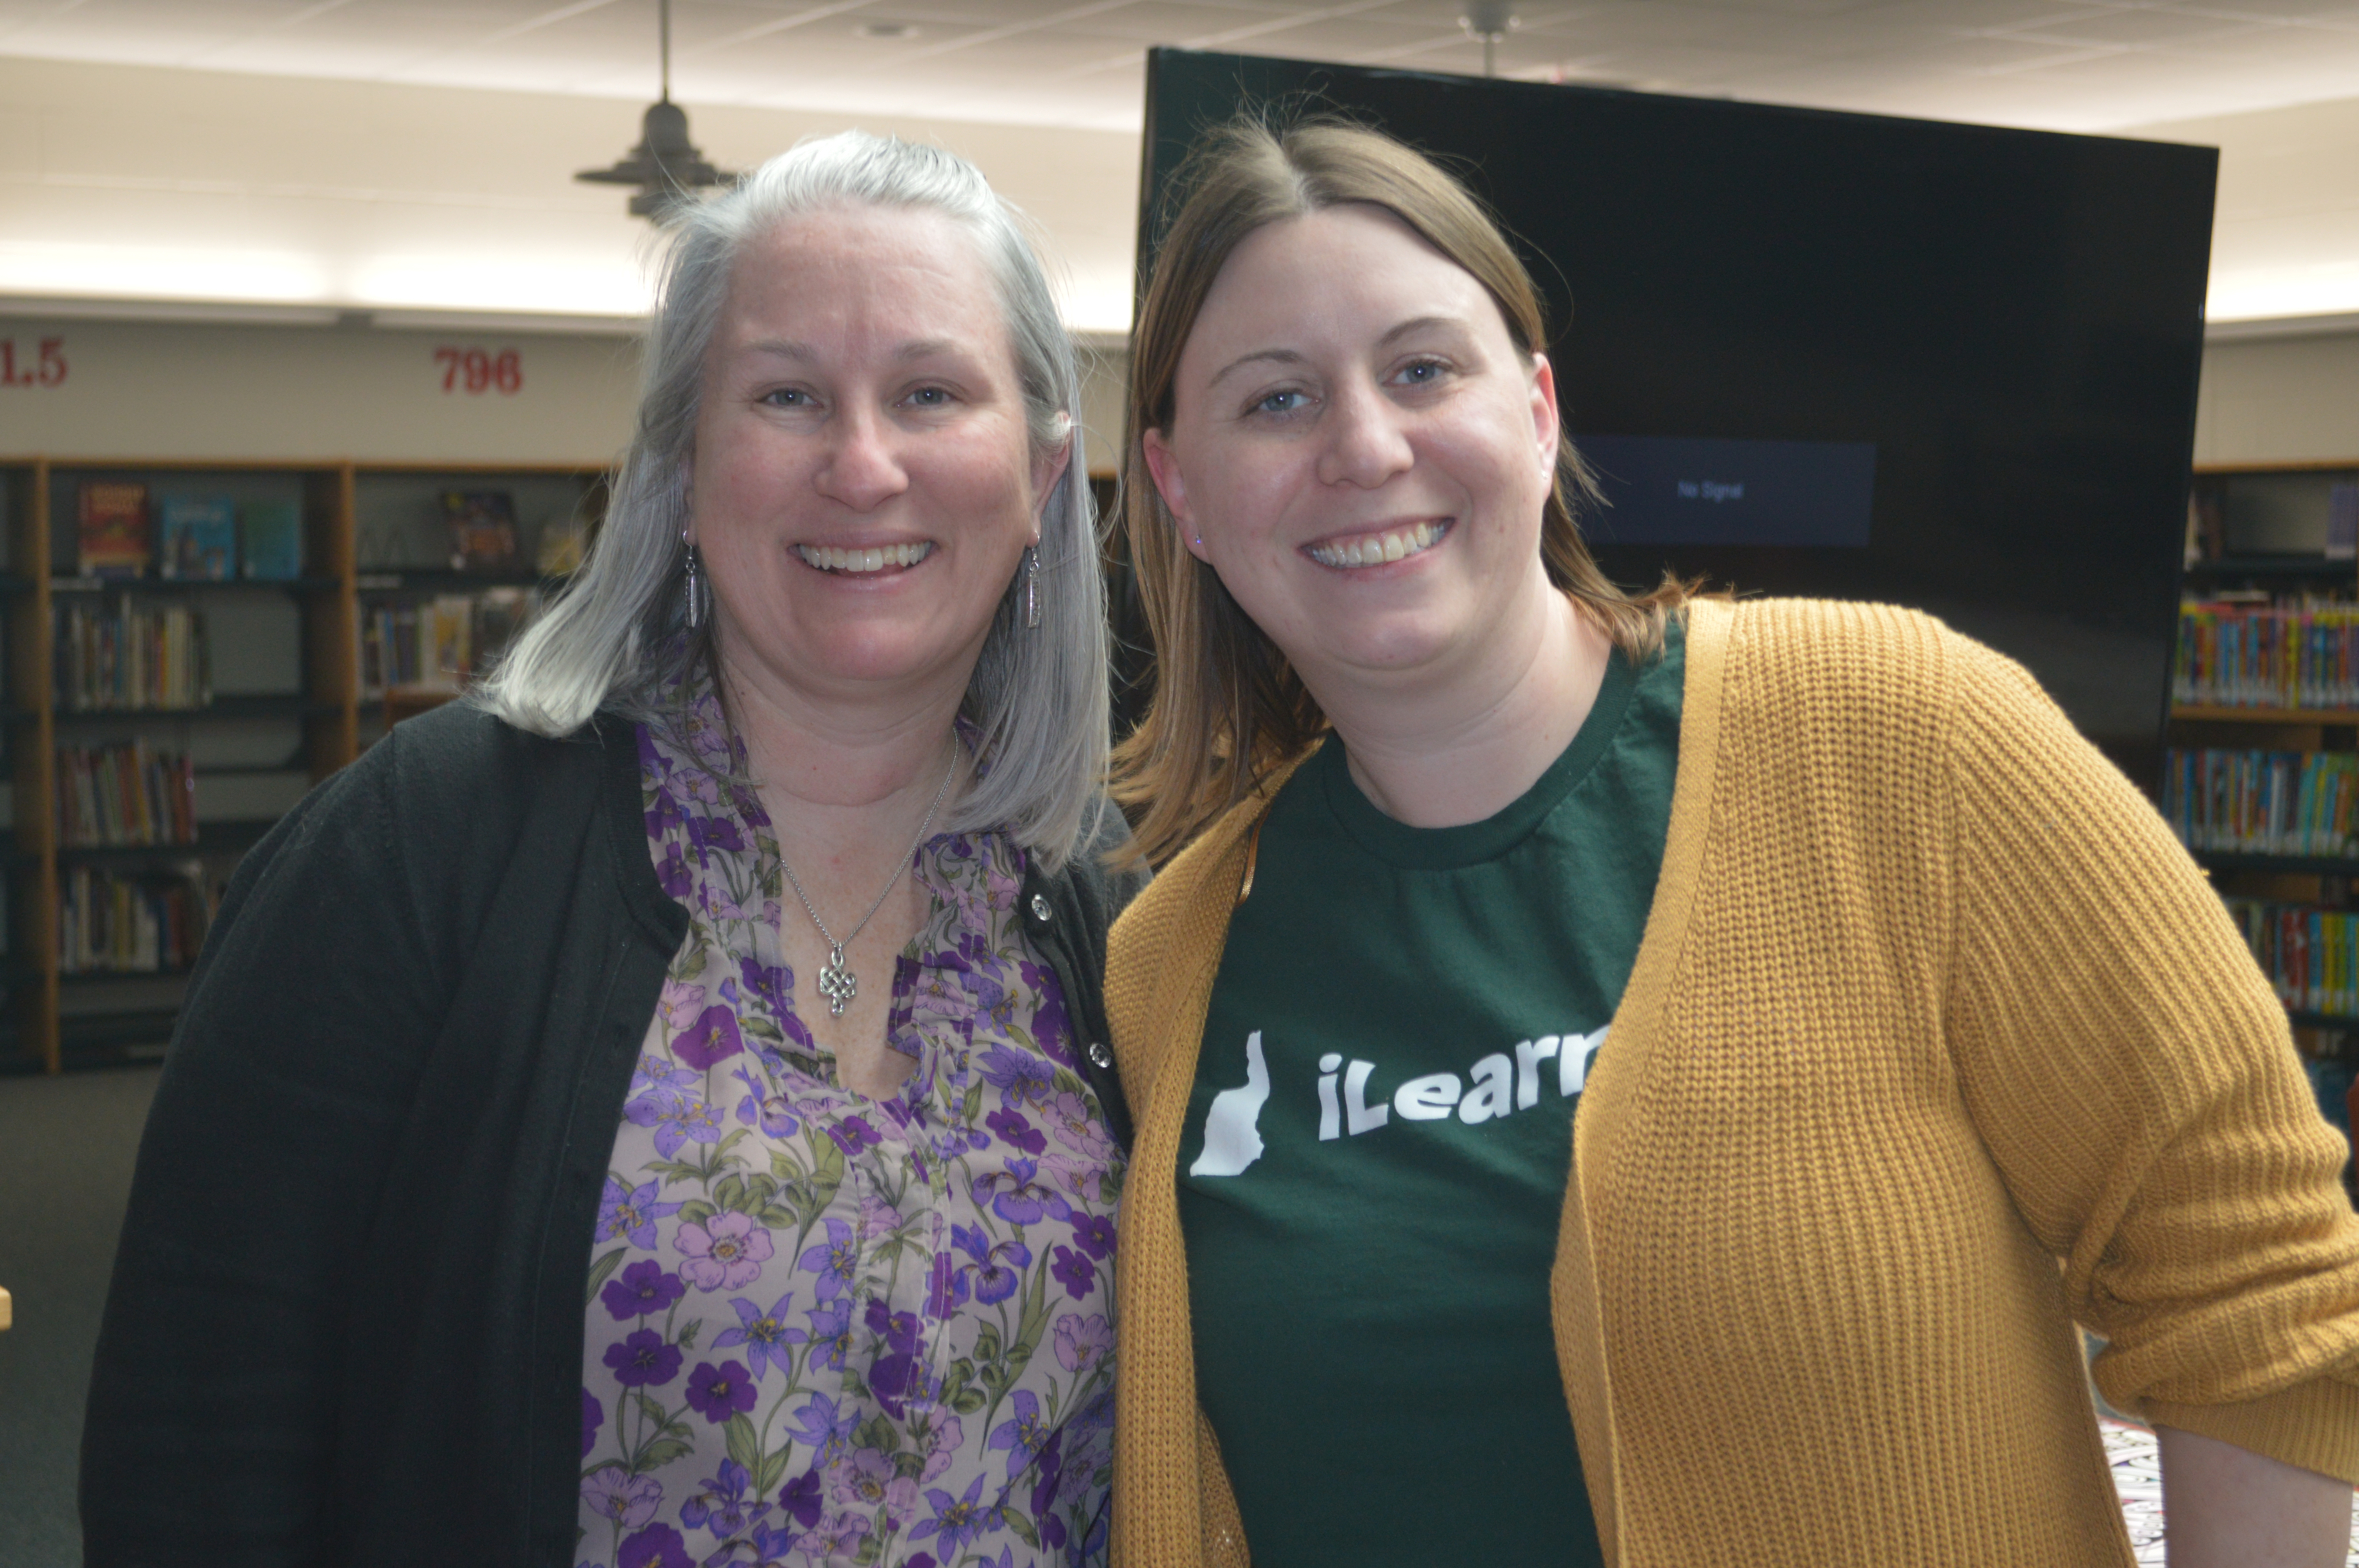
1294	357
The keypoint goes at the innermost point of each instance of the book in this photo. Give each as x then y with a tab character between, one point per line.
197	537
2342	523
272	541
111	534
482	529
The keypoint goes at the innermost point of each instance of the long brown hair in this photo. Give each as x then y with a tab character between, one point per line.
1227	706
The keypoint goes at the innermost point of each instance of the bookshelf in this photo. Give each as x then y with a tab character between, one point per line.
286	704
2271	607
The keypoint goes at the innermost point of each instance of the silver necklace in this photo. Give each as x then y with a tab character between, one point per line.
836	980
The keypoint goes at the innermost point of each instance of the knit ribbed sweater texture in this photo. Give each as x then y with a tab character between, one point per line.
1937	1044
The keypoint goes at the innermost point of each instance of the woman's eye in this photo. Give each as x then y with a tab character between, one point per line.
1422	372
786	397
1282	402
931	397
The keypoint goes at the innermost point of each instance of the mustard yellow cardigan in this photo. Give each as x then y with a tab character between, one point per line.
1936	1044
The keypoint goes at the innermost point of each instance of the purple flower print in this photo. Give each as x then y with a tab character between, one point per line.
654	1074
1092	1181
657	1546
632	1212
800	1498
995	1271
1022	1435
663	812
726	1252
673	873
1082	1342
643	1290
831	1332
1021	1077
1074	1271
834	1261
1093	1234
1071	1124
957	1521
593	1416
773	1546
826	1425
714	1037
722	1506
1014	1196
769	986
676	1117
1052	1029
765	1335
1044	1488
940	1443
922	1560
891	1376
643	1360
853	1133
716	1394
626	1499
716	833
769	1111
867	1481
1014	1130
836	1539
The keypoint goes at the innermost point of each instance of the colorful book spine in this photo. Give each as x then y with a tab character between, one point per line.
2242	655
112	923
111	532
128	657
124	795
197	537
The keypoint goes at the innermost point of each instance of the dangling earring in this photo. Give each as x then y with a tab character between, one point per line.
1031	587
700	592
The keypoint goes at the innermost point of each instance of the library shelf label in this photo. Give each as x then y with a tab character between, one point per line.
478	370
40	363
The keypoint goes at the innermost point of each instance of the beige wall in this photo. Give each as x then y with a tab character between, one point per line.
210	390
2279	400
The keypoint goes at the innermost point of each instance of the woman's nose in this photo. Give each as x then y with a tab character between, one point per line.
1365	442
860	470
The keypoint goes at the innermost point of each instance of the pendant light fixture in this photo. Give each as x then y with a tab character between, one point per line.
1489	20
664	165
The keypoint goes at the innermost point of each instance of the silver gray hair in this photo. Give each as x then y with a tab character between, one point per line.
617	638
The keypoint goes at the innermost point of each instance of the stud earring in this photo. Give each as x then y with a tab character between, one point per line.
1031	587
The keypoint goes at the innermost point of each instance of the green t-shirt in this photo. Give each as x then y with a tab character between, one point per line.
1378	1141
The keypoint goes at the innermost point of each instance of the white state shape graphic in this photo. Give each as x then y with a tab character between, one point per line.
1230	1140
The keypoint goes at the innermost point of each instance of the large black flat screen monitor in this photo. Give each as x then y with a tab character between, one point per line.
1938	365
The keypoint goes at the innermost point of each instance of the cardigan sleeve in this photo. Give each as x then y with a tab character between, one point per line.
213	1405
2132	1073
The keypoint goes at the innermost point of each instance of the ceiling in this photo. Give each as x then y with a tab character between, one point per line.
2059	64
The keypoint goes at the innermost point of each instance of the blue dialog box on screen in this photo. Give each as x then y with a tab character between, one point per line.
1672	490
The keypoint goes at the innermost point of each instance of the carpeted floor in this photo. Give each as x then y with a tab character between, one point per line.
66	1149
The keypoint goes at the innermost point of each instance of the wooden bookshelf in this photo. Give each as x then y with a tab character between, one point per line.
54	1019
2259	518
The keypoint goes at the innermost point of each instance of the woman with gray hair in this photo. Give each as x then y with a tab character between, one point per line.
654	1113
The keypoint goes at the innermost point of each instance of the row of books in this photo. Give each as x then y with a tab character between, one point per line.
443	642
121	532
2263	802
2235	654
2310	954
127	794
110	923
131	657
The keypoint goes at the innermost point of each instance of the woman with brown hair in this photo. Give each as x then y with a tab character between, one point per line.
1882	1028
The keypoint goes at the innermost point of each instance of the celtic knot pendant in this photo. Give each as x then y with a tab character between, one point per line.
837	982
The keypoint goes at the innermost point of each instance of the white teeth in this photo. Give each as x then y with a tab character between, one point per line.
1396	543
829	558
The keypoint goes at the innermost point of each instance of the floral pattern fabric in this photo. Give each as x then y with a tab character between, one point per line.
828	1329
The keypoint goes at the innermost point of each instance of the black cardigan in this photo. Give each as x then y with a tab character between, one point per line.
346	1321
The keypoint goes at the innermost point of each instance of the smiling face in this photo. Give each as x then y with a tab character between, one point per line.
863	484
1364	452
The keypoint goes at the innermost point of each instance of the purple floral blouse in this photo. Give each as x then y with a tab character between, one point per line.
828	1329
